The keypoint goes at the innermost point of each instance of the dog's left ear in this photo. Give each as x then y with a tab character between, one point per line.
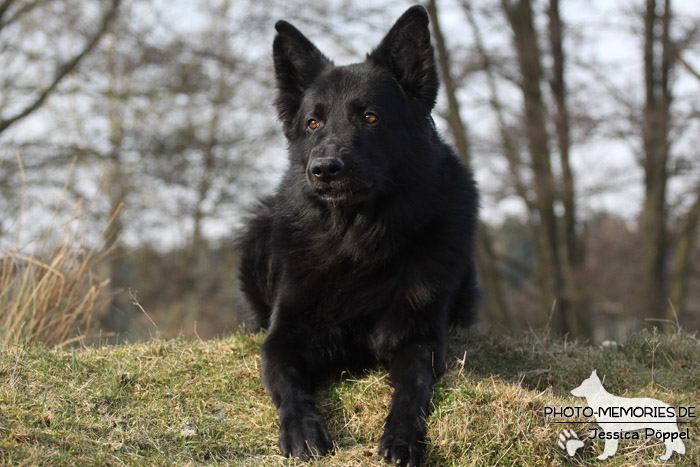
407	52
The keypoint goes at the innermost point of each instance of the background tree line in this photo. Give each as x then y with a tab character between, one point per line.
582	125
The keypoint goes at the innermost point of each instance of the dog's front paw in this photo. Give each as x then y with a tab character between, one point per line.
304	436
402	443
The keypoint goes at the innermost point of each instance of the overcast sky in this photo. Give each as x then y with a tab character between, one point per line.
603	44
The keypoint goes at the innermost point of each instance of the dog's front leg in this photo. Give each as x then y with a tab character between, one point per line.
413	371
286	377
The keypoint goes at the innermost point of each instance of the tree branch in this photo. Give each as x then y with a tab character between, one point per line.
687	65
4	7
64	70
24	9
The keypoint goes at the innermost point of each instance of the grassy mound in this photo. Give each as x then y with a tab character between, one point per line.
192	403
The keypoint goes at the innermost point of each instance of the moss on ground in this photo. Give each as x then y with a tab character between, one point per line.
201	403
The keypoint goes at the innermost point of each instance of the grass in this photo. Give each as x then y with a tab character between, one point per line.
167	402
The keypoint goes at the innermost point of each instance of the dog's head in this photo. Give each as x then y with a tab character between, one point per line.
349	127
589	387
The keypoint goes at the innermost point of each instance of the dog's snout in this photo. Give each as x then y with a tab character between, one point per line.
327	168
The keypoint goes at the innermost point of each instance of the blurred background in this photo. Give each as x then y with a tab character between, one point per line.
134	134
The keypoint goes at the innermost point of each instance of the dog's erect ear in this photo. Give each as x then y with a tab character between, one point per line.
407	52
594	375
297	63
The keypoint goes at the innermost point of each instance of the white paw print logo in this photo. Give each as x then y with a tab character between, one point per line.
568	439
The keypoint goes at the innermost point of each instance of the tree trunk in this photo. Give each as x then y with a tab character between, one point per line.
656	148
492	280
574	255
519	14
684	249
516	166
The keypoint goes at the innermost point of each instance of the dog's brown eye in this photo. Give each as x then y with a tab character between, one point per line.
369	117
314	124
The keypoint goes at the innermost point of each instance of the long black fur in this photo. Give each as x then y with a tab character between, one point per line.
371	265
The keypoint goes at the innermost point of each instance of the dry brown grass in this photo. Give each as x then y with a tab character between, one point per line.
49	289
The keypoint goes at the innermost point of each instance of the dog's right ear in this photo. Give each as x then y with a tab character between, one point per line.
297	63
406	52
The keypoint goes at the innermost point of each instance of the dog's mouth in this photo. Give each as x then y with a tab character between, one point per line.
343	194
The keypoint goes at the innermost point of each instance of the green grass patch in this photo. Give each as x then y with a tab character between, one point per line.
180	402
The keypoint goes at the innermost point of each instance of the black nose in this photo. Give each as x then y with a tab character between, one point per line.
327	169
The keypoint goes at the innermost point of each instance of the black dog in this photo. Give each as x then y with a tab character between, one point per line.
365	253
